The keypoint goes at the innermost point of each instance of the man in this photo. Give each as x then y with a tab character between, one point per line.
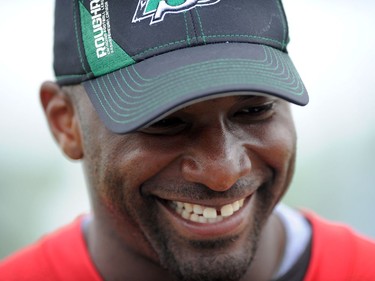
180	113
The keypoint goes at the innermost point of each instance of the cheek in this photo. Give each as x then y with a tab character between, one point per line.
278	140
282	155
282	146
138	160
275	145
121	164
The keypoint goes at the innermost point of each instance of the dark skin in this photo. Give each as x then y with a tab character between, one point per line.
212	153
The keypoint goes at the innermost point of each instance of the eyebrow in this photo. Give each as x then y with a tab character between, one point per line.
246	97
251	97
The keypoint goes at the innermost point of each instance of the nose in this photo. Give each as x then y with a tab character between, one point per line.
217	159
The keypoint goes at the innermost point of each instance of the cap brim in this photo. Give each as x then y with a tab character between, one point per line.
132	97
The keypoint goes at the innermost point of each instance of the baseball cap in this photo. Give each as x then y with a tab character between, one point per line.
139	60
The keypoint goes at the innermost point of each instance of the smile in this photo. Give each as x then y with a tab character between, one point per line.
204	214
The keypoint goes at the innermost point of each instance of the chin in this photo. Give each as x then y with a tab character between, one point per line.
224	259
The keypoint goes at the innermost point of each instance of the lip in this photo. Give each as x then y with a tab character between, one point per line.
230	226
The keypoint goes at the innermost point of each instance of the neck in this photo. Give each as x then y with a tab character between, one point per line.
270	251
114	261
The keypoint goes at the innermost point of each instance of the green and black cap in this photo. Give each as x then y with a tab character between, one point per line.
141	59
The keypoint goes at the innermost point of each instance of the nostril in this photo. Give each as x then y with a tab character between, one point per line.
190	164
190	169
245	165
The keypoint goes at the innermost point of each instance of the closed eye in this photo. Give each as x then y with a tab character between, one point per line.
166	126
256	112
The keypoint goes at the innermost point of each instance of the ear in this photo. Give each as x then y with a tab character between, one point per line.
62	119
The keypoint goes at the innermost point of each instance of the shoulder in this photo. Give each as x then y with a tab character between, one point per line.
339	253
61	255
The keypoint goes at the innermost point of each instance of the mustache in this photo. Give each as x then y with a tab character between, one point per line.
198	191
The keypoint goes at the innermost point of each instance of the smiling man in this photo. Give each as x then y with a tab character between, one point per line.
180	112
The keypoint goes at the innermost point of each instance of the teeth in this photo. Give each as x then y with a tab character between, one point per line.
203	214
198	209
236	206
202	219
194	217
241	202
210	213
180	205
188	207
227	210
185	214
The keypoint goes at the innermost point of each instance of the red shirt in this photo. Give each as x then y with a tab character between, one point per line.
60	256
338	254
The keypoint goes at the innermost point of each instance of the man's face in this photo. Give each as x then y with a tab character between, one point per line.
231	157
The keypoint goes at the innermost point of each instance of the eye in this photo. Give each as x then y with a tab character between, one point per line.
166	126
256	112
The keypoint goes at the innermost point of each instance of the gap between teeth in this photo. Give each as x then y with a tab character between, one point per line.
202	214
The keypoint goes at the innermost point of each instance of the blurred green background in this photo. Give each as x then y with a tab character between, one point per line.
332	45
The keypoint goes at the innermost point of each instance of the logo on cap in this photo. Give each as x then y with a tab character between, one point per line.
157	9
